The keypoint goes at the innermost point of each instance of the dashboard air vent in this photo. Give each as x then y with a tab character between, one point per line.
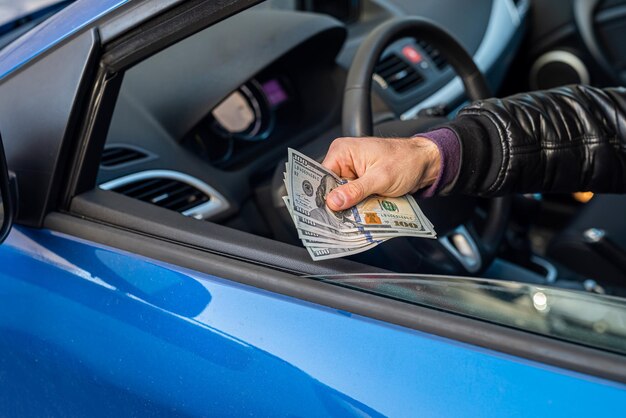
167	193
398	74
116	156
434	54
172	190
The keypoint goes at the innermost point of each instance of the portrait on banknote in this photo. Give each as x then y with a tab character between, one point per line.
322	213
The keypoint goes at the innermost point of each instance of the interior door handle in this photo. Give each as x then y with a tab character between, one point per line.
584	12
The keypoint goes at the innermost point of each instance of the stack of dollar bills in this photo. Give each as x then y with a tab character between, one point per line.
327	234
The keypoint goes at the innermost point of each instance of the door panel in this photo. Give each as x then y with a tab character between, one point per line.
88	330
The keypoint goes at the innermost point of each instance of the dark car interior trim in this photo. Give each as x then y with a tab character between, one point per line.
181	253
8	195
180	105
584	16
152	220
168	28
91	135
131	15
116	156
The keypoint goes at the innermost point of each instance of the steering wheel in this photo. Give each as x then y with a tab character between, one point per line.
460	248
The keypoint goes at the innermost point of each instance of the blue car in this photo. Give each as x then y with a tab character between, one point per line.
150	268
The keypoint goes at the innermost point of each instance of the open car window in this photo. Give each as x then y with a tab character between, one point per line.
589	319
202	128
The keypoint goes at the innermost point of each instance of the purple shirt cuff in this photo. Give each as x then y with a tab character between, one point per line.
450	151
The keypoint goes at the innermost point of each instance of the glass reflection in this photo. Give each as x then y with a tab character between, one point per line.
540	301
585	318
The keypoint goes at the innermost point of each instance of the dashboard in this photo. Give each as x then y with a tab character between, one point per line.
271	109
246	117
222	106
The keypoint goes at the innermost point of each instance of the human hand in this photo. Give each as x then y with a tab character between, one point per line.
384	166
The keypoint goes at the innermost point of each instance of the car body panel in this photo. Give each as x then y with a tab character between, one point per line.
36	122
88	325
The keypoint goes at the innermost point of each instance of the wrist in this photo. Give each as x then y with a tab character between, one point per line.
433	169
429	161
447	165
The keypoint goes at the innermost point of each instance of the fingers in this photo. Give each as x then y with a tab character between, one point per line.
332	158
388	167
333	164
349	194
338	158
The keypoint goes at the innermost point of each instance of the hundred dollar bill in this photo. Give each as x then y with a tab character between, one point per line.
338	244
317	227
311	230
327	234
325	248
324	253
311	236
309	183
359	233
315	240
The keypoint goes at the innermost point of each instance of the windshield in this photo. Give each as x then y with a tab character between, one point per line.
19	16
584	318
11	10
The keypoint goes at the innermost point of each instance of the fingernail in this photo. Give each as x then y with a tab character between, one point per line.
337	199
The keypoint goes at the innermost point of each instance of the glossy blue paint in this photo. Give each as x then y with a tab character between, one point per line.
52	32
89	330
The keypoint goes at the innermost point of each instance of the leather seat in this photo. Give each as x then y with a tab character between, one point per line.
572	249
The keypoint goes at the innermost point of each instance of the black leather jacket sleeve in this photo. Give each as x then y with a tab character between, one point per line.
562	140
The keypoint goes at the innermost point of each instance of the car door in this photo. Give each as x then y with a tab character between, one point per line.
99	319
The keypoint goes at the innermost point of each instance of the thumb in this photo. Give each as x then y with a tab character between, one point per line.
351	193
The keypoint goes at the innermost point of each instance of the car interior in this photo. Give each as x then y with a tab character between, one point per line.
198	134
